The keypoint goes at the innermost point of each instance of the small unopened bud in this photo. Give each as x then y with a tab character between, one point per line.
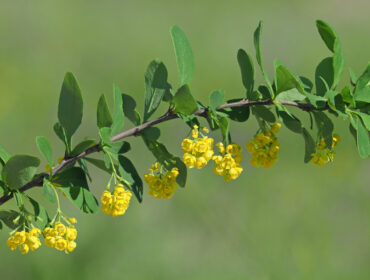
16	220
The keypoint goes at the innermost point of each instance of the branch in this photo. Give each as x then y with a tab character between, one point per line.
135	131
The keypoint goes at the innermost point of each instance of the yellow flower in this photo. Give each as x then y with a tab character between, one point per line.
221	148
186	145
60	228
60	244
205	129
71	233
201	146
336	140
25	241
73	220
117	203
24	248
189	160
162	185
264	147
154	167
323	154
71	246
233	149
50	241
275	128
228	163
200	162
20	237
195	133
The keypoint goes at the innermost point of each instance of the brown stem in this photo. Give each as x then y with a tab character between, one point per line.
136	131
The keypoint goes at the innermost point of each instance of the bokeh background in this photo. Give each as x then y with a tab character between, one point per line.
293	221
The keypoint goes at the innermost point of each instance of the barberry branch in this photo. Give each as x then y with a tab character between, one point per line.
135	131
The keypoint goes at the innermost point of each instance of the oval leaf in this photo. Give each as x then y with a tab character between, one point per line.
184	101
247	71
104	117
45	149
70	107
129	173
155	87
184	55
19	170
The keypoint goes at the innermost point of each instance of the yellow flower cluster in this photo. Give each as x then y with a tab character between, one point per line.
323	154
161	185
228	163
117	203
61	237
25	241
197	151
264	147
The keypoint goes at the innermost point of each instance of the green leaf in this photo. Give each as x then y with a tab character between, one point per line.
124	147
353	76
70	107
129	105
19	170
74	185
257	39
363	140
128	171
105	134
7	217
117	148
168	160
309	145
224	124
327	34
307	84
99	164
325	127
247	71
264	92
335	102
118	115
42	217
216	98
48	191
45	149
324	71
285	80
4	156
238	114
184	56
151	133
82	146
338	62
290	95
104	117
263	113
362	89
347	95
365	118
155	87
289	120
315	100
184	101
190	120
59	131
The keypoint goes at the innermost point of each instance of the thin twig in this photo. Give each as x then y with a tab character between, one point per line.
136	131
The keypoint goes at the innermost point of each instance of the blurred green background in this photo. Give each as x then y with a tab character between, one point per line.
293	221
